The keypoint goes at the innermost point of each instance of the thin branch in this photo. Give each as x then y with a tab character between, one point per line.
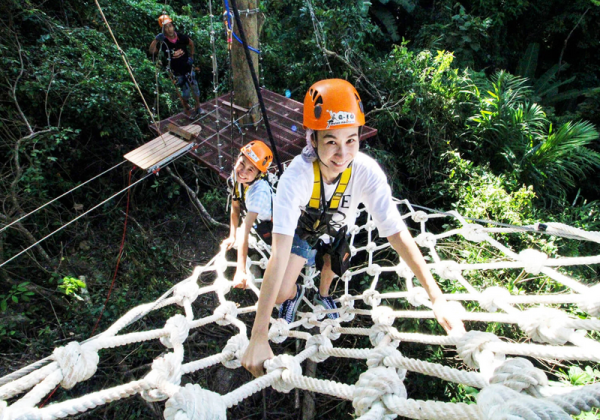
196	201
567	40
14	86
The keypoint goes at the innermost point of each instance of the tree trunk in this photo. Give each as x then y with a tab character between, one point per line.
244	92
308	403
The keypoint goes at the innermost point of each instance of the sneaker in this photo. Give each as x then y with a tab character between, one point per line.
288	309
327	303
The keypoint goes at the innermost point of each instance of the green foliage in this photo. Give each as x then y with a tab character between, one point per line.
514	134
17	293
70	285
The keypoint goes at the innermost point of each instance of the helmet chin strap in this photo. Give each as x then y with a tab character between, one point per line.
316	147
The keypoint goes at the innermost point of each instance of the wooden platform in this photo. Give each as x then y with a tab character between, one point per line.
219	141
165	147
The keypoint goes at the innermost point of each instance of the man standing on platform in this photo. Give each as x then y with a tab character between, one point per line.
179	61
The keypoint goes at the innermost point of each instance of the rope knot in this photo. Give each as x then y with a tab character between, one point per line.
347	276
166	370
186	290
224	310
347	304
419	216
328	328
383	315
289	366
309	282
491	296
279	331
497	402
193	403
309	320
263	263
426	240
370	226
322	343
353	251
473	233
236	346
470	346
222	285
178	329
77	363
592	303
375	384
533	261
520	374
371	247
448	270
371	297
545	325
378	332
404	271
417	296
377	355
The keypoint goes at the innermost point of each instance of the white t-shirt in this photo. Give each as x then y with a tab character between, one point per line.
368	185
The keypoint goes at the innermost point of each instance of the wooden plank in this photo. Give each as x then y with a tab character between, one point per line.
151	149
229	104
157	157
189	132
152	145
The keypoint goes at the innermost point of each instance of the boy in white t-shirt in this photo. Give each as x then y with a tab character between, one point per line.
252	198
319	194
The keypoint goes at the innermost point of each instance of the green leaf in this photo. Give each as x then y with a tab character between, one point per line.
528	63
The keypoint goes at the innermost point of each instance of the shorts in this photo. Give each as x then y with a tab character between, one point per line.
302	249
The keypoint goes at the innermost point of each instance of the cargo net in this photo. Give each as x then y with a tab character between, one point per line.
511	387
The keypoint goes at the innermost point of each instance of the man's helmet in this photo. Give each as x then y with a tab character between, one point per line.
259	154
164	19
331	104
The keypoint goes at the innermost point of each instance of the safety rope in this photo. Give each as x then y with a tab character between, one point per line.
126	62
319	36
112	283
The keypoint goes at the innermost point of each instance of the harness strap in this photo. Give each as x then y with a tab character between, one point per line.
315	199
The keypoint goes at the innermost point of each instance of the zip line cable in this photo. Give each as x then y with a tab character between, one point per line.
72	221
238	22
59	197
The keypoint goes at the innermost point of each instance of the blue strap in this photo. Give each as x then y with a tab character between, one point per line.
233	33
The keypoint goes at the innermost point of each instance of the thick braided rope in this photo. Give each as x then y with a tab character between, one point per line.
509	386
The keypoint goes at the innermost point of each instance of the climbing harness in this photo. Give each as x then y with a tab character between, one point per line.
317	218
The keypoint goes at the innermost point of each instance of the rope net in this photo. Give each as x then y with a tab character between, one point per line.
511	387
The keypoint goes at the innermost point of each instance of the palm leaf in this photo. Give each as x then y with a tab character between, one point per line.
388	20
528	63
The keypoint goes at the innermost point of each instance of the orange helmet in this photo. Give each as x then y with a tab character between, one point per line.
164	19
259	154
331	104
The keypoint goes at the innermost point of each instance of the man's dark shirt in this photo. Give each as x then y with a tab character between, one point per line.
179	65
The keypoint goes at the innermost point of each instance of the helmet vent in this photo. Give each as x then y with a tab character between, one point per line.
314	94
319	100
360	105
318	111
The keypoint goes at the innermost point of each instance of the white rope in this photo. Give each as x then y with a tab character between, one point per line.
511	387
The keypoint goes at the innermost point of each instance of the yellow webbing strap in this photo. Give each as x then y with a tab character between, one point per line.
341	188
339	191
236	190
315	198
